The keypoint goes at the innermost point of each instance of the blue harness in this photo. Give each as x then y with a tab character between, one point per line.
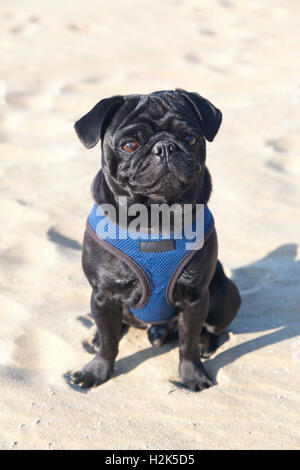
157	260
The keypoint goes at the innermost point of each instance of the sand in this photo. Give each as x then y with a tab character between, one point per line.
57	60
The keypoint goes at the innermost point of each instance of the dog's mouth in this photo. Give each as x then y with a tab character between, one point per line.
166	178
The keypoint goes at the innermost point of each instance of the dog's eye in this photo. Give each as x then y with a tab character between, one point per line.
130	146
190	139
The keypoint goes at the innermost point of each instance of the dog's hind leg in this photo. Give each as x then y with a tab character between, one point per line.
92	345
161	334
209	342
224	303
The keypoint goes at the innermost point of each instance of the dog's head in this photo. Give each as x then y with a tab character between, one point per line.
152	145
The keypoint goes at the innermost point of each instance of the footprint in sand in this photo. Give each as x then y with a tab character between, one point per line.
82	86
44	353
41	98
92	80
34	251
17	213
18	154
287	149
70	94
191	58
28	27
10	119
207	32
12	314
12	317
8	15
81	28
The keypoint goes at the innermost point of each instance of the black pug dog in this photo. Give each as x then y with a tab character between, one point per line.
154	151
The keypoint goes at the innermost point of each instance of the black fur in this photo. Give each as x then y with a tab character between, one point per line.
205	299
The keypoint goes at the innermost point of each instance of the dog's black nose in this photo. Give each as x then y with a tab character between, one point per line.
164	148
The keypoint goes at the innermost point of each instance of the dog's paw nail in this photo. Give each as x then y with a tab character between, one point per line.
78	378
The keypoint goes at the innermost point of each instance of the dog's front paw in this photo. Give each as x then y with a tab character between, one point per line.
194	376
94	373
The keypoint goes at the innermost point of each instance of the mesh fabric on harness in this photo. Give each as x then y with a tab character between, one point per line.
157	260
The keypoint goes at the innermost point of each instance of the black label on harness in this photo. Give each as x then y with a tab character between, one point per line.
157	245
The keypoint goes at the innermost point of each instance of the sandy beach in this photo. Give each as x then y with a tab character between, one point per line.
58	59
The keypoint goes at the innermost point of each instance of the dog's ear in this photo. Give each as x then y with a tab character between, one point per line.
91	126
210	116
